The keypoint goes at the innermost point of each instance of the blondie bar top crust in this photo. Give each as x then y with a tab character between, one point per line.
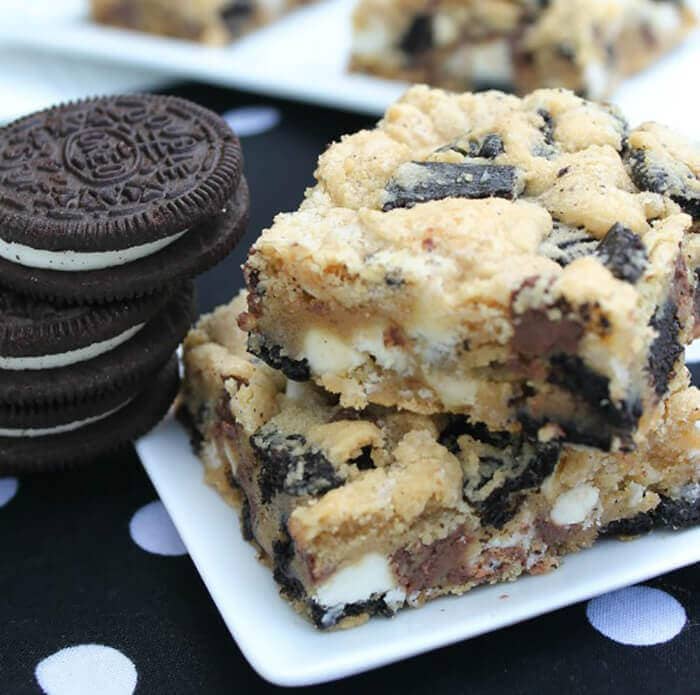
527	262
516	45
362	513
208	21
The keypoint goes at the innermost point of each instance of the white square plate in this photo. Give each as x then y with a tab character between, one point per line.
288	651
304	56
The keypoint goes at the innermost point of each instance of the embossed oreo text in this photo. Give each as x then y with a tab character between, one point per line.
106	159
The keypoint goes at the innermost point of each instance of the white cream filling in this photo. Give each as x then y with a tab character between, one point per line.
77	261
574	506
59	429
371	575
63	359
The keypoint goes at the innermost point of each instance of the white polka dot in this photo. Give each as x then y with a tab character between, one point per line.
692	352
252	120
638	615
87	669
8	489
152	529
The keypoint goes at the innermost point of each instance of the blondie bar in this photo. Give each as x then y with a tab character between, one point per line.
365	512
207	21
516	45
527	262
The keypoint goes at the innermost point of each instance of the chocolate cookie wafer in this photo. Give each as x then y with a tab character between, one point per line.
49	371
115	197
56	437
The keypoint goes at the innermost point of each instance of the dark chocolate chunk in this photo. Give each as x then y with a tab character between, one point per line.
296	370
422	566
536	335
623	253
419	182
666	349
419	36
289	465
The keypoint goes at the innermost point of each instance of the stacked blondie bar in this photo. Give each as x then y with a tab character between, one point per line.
462	357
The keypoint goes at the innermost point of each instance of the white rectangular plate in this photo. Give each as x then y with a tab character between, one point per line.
304	56
286	650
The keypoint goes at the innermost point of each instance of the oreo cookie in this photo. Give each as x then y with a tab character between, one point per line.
57	437
65	356
36	335
114	197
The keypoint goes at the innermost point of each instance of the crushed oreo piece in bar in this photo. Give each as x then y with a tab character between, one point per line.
282	556
461	424
246	521
623	253
325	618
364	461
571	373
233	14
488	148
565	244
420	182
680	513
296	370
547	127
597	434
503	503
491	147
666	348
419	36
670	513
289	465
636	526
662	174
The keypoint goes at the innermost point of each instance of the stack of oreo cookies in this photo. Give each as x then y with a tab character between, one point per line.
108	208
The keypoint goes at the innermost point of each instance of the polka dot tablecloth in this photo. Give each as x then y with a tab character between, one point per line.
99	597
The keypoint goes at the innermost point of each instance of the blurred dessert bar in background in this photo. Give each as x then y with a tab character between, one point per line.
516	45
215	22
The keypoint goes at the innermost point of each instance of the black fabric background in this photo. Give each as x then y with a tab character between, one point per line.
70	573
